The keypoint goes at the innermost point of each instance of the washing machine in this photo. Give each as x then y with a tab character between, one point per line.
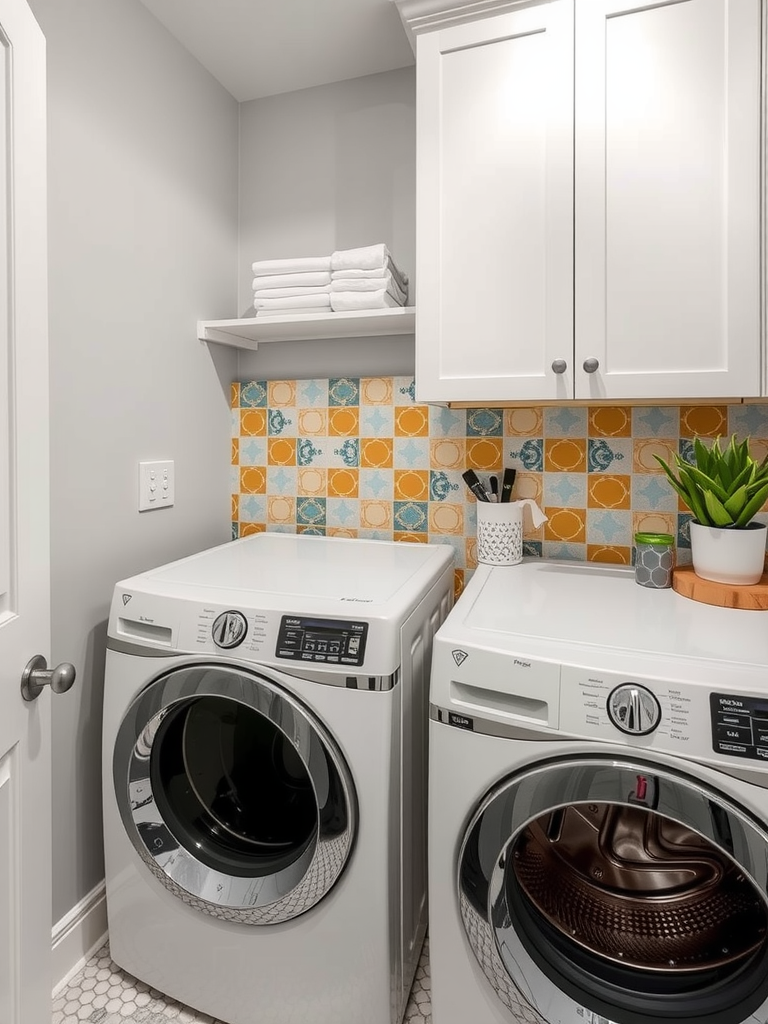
264	775
598	817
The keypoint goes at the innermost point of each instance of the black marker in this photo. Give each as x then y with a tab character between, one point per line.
472	480
507	483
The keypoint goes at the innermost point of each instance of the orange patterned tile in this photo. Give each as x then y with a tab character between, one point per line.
376	391
412	421
281	394
446	517
235	506
376	515
344	421
246	529
565	455
234	395
253	423
312	482
253	480
281	451
340	531
343	483
281	509
703	420
313	422
609	491
615	553
524	422
567	524
235	450
376	452
470	555
410	538
644	450
610	421
654	522
412	484
458	583
529	485
485	453
448	453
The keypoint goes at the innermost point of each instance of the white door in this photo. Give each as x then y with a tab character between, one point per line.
668	202
25	791
494	207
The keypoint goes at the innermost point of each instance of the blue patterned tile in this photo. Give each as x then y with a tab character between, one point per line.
485	423
403	390
562	421
410	516
559	549
282	480
253	395
651	492
366	534
655	421
748	421
253	508
310	511
376	484
458	543
280	528
444	422
235	531
344	391
281	422
685	448
345	452
312	393
528	455
532	548
308	453
411	452
253	451
609	456
377	420
683	533
609	526
342	512
444	486
565	490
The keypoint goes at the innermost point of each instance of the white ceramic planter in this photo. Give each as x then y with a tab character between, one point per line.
728	556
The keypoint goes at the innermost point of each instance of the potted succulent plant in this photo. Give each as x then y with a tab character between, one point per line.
724	488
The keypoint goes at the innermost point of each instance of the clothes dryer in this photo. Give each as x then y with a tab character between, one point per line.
264	775
598	823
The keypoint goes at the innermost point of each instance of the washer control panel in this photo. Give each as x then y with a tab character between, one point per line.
229	629
739	725
634	709
333	641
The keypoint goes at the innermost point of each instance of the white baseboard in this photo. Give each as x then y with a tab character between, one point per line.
78	935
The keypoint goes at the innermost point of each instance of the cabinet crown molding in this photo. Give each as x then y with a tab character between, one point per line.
427	15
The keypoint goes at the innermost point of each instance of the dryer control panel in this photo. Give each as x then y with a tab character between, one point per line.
739	725
333	641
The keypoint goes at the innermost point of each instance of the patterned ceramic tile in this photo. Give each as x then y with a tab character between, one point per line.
358	457
102	993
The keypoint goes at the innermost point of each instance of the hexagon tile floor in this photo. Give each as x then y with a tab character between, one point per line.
103	994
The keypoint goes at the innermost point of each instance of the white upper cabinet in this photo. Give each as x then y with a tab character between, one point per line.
588	202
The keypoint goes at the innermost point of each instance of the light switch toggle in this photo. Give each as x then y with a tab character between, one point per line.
156	485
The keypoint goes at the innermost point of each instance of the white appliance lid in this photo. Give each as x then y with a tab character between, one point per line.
602	606
304	566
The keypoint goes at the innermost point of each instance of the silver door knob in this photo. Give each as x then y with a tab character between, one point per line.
36	676
559	366
590	365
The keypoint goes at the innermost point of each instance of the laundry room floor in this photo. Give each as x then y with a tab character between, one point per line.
103	994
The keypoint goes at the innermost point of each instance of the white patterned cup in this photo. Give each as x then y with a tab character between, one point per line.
500	530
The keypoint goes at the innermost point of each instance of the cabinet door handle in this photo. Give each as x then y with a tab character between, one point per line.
559	366
590	365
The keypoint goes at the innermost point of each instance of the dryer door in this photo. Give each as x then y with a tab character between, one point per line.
234	795
603	888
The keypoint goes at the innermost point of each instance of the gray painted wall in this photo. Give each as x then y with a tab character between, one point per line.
323	169
143	241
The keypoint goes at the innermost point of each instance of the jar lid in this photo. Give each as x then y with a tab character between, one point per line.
654	538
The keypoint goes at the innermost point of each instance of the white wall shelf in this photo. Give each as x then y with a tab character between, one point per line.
251	332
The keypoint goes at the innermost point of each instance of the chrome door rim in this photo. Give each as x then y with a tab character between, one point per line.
490	929
268	899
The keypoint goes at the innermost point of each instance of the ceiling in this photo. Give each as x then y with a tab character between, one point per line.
259	48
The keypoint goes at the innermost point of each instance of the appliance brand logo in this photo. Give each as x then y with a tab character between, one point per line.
127	598
459	656
460	721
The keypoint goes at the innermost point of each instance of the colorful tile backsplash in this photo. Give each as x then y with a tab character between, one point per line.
357	457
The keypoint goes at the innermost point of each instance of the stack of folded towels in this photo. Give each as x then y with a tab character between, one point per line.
349	279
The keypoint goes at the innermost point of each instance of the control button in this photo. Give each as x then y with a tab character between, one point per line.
732	734
761	736
229	629
633	709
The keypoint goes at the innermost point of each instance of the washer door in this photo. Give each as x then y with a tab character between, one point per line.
618	886
234	795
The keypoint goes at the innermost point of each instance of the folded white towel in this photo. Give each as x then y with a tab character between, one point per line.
308	280
369	257
370	284
281	293
304	264
341	301
294	302
292	311
354	275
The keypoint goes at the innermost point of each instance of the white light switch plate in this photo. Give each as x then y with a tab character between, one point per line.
156	488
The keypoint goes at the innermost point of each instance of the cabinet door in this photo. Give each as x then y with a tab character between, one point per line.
494	304
667	208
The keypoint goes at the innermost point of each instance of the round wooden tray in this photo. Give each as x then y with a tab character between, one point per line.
724	595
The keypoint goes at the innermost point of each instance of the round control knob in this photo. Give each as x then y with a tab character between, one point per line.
559	366
590	365
229	629
634	709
